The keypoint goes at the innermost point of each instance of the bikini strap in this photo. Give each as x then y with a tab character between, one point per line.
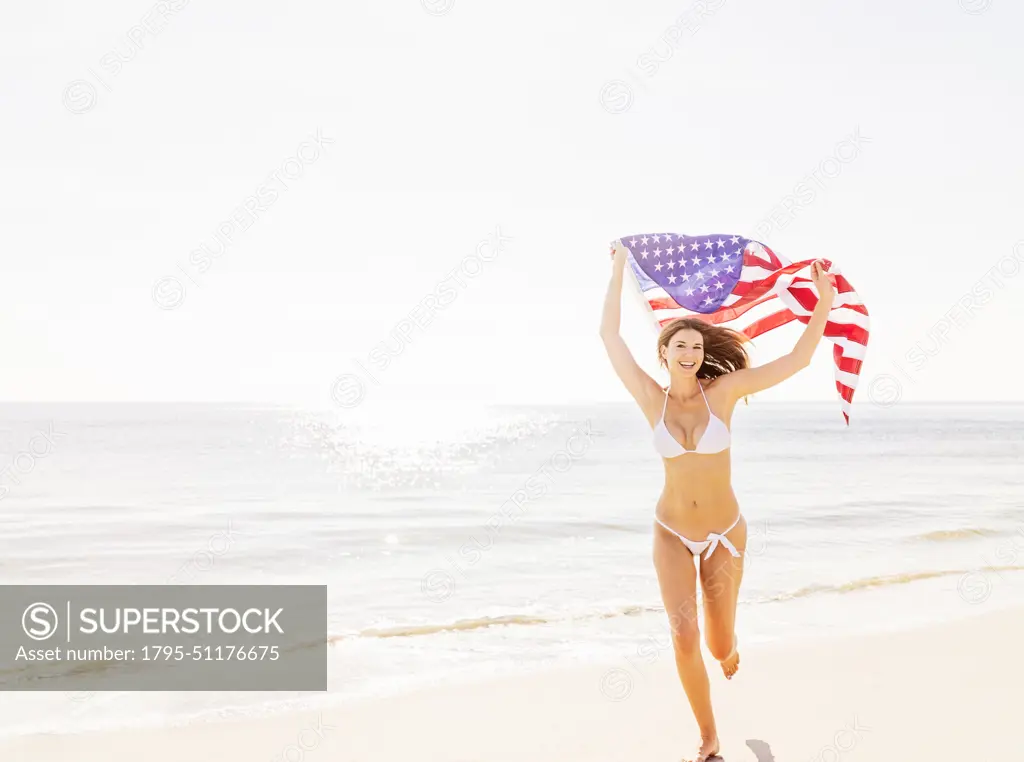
733	525
665	406
702	394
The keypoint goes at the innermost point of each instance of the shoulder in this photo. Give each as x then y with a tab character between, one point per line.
722	389
721	382
712	383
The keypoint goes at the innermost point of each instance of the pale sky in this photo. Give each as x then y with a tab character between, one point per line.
429	125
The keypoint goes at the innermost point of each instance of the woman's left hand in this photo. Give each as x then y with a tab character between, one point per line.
821	280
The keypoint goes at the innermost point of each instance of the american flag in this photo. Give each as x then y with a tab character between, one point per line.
738	283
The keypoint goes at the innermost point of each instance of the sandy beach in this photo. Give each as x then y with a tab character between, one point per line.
949	691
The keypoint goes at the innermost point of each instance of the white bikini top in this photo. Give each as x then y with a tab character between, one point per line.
716	436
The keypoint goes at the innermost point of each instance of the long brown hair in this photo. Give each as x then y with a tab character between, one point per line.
724	349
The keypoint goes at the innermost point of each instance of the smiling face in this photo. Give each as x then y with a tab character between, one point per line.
685	352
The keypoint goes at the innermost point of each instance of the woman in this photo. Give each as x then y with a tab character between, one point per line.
697	513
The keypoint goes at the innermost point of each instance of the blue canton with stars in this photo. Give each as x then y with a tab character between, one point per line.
698	272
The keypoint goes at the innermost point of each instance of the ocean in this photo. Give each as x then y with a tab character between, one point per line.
464	542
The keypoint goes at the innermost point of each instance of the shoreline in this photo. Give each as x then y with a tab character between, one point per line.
933	689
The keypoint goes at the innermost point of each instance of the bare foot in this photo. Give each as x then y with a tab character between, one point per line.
708	750
731	663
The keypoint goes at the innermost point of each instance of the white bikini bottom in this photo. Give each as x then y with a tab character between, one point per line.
697	547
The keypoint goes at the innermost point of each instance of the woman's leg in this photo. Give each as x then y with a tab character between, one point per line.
720	577
677	578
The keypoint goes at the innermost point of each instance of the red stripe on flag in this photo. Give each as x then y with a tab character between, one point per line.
664	303
754	261
848	331
843	285
768	323
725	314
846	364
856	308
776	262
804	297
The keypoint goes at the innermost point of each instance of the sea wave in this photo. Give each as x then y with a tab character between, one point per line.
478	623
462	625
885	580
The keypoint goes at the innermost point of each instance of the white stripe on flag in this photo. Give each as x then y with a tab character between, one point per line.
754	273
848	379
844	315
851	349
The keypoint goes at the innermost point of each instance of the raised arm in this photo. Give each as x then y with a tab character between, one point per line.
751	380
640	385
